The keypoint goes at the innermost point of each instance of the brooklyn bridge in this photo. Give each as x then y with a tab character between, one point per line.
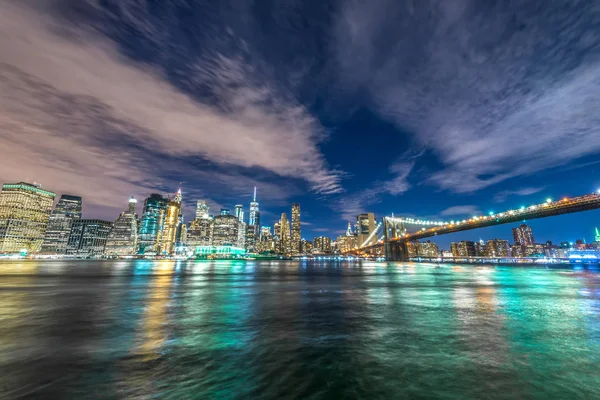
392	235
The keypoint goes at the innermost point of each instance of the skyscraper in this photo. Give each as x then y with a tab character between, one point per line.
296	237
24	214
254	219
199	230
123	237
239	212
225	231
168	235
284	227
523	235
322	244
67	210
153	219
497	248
202	210
365	224
88	237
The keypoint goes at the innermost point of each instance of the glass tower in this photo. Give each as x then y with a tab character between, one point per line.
153	218
67	210
168	235
24	214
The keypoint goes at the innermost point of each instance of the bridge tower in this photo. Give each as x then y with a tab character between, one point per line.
394	250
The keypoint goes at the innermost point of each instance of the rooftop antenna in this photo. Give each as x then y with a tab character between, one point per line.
254	194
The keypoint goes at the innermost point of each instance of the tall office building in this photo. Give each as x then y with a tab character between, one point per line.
202	210
285	237
466	248
168	235
277	237
67	210
254	219
151	225
88	237
523	235
199	230
296	236
225	231
365	224
239	212
497	248
24	214
428	249
123	237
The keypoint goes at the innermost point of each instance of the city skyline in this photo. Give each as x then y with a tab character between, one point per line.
342	121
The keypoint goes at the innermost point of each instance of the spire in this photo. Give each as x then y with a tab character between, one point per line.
254	194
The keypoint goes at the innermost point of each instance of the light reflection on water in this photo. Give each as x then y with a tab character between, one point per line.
287	329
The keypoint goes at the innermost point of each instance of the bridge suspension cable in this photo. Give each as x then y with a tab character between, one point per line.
371	235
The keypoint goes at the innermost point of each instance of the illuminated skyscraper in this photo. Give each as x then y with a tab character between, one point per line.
523	235
123	237
296	237
67	210
254	219
322	244
497	248
225	231
285	239
239	212
465	248
199	230
168	236
153	219
365	224
88	237
202	210
24	214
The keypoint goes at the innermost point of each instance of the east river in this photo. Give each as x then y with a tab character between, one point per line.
297	330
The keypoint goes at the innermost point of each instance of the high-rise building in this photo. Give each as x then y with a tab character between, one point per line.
464	248
428	249
123	237
254	218
168	235
307	246
202	210
365	224
239	212
322	244
67	210
516	250
285	237
199	230
277	237
24	214
497	248
225	211
152	223
523	235
296	237
480	249
88	237
225	231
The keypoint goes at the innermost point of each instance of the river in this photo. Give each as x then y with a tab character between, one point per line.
292	329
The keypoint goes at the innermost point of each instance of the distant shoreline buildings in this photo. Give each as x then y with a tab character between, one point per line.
29	226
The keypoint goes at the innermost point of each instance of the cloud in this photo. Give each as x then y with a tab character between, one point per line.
496	91
503	195
461	210
79	116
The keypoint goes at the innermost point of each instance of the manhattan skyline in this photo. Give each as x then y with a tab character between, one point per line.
324	104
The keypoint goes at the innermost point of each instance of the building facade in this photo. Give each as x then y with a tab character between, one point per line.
123	237
67	210
88	238
285	236
153	219
497	248
24	214
254	218
225	231
322	244
168	235
296	236
365	225
464	248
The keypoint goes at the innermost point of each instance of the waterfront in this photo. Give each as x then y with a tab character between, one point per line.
293	329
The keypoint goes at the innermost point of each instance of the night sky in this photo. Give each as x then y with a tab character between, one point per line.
430	108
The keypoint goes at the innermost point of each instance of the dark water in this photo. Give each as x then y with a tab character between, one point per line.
285	330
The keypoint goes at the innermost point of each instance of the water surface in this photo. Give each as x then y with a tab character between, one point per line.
287	330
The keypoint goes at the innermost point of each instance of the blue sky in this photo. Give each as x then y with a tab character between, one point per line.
433	108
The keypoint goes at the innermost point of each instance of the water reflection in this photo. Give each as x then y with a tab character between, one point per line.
283	329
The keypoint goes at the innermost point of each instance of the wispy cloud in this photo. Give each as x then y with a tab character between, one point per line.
78	115
503	195
461	210
494	90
